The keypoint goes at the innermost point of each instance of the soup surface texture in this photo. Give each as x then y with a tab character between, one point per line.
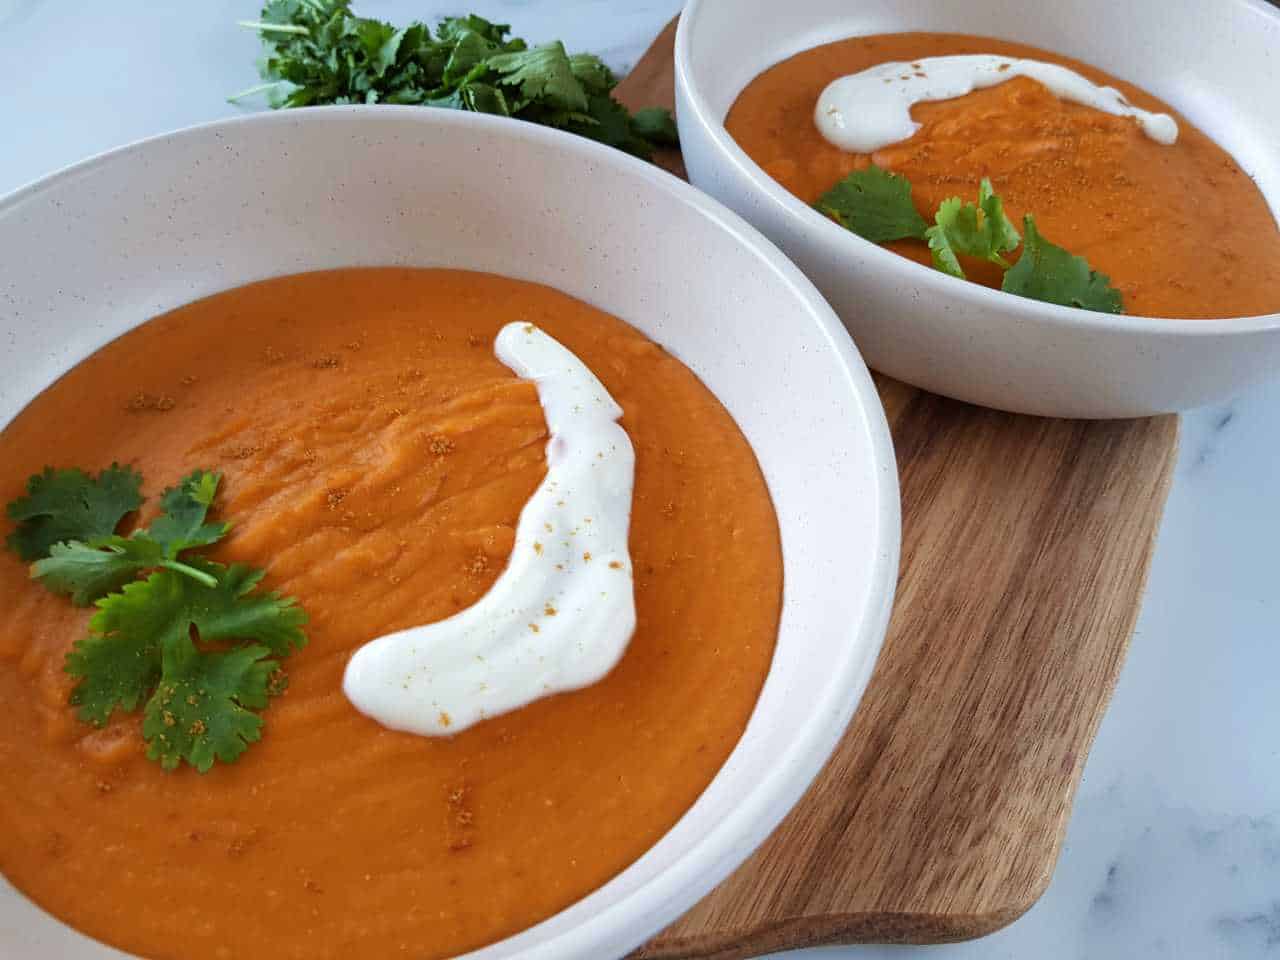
376	459
1181	230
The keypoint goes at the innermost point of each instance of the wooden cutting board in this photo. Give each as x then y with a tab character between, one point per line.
1025	548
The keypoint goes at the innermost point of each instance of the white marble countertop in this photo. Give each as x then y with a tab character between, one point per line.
1174	847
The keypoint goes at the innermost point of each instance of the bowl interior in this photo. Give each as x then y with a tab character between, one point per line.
1219	69
97	249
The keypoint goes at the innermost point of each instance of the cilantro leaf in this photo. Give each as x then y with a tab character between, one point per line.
232	611
608	122
140	646
70	505
1047	272
657	125
318	51
89	570
982	230
119	662
381	43
592	72
544	75
182	524
482	98
451	28
202	709
470	50
874	204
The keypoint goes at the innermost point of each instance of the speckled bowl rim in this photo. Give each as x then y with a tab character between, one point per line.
623	925
930	281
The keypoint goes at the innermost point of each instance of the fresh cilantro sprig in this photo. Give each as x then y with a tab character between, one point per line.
319	52
193	643
878	205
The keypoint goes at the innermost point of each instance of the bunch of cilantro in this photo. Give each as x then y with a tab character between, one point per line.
189	640
877	205
318	51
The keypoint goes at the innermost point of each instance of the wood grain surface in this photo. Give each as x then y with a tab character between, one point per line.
1025	549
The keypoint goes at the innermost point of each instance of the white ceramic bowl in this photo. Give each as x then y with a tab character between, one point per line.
1216	62
95	250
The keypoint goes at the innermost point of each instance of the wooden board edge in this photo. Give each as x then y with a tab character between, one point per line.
915	928
799	933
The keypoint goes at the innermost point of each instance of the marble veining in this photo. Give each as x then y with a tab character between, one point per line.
1173	850
1220	419
1247	929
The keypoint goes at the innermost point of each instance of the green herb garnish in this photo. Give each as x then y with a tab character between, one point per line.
878	206
319	52
199	701
980	230
193	643
71	505
875	204
1047	272
657	125
89	569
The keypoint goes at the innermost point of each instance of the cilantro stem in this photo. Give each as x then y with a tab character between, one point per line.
260	88
264	27
197	575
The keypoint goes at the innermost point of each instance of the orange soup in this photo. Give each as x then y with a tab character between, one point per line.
1181	230
376	457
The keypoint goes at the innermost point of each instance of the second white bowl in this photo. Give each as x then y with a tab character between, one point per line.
958	338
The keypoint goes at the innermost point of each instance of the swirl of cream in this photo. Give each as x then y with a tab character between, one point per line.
561	614
871	109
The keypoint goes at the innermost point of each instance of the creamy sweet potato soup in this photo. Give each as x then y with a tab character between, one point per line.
376	457
1181	230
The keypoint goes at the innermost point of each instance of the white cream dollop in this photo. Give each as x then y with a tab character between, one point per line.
866	111
561	614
